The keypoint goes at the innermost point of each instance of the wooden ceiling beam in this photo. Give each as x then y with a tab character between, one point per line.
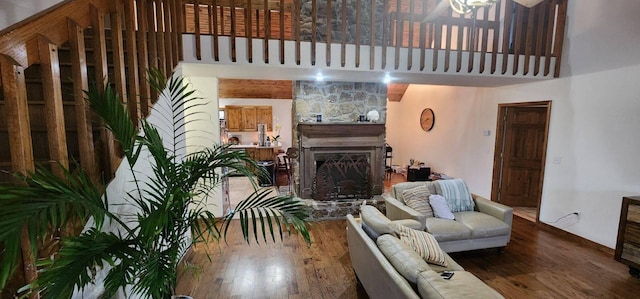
255	89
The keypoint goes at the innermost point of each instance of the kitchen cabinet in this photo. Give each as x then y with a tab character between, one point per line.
264	115
233	115
249	121
247	118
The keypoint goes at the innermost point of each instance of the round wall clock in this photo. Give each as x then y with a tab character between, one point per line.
427	119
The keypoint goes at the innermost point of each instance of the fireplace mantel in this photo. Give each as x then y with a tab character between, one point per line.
325	130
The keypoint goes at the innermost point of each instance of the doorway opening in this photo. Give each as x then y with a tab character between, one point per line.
519	160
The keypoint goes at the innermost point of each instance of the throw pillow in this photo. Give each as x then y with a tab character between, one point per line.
423	243
403	258
417	198
375	220
457	195
440	208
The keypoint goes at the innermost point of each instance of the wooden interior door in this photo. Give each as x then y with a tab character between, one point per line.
520	154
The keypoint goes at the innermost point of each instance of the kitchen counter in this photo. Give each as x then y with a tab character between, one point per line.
258	153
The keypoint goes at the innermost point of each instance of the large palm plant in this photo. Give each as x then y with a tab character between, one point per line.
142	246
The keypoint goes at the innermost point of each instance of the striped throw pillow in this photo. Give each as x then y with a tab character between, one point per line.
417	198
458	197
423	243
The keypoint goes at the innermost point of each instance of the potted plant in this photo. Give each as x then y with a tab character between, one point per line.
141	246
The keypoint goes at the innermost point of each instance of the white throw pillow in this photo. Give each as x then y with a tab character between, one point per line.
440	207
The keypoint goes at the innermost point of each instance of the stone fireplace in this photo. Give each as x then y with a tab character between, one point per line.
341	164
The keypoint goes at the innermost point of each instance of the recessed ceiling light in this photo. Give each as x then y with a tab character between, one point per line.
319	77
386	79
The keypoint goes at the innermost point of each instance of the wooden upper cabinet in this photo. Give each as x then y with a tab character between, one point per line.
249	123
247	118
264	115
233	115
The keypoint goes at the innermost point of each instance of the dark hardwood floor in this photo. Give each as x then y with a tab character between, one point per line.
537	263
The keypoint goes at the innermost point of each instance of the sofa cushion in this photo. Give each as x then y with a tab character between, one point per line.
417	198
457	194
397	189
404	259
374	220
447	230
461	285
440	207
482	225
423	243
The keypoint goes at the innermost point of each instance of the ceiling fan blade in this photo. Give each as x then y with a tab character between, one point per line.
438	11
528	3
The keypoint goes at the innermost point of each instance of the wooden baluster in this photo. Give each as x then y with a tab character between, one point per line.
423	35
358	30
540	30
143	57
437	45
496	37
281	31
517	41
214	23
372	35
485	40
168	37
180	28
472	40
232	38
559	40
196	20
399	27
508	15
329	28
529	38
551	11
20	145
412	7
102	77
133	101
447	51
162	57
385	29
248	31
343	45
80	84
153	44
461	25
52	93
267	30
176	32
314	27
296	28
117	48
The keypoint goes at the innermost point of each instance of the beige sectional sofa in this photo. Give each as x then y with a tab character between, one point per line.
388	268
487	226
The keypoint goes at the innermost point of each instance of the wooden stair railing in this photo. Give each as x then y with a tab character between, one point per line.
47	62
535	33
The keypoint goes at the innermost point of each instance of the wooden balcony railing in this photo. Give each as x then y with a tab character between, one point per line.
506	37
48	60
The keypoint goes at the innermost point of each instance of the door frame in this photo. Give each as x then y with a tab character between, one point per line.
500	138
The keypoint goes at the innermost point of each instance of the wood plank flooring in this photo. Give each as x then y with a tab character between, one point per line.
537	263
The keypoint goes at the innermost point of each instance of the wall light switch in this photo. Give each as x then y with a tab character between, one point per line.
557	160
486	132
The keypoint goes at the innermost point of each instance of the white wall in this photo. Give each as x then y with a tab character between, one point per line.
205	132
281	109
593	128
13	11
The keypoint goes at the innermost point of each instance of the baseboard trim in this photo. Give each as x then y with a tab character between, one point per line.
574	238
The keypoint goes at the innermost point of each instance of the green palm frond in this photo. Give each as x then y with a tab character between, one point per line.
169	201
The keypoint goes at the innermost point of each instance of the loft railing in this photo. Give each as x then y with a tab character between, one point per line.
46	63
507	38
